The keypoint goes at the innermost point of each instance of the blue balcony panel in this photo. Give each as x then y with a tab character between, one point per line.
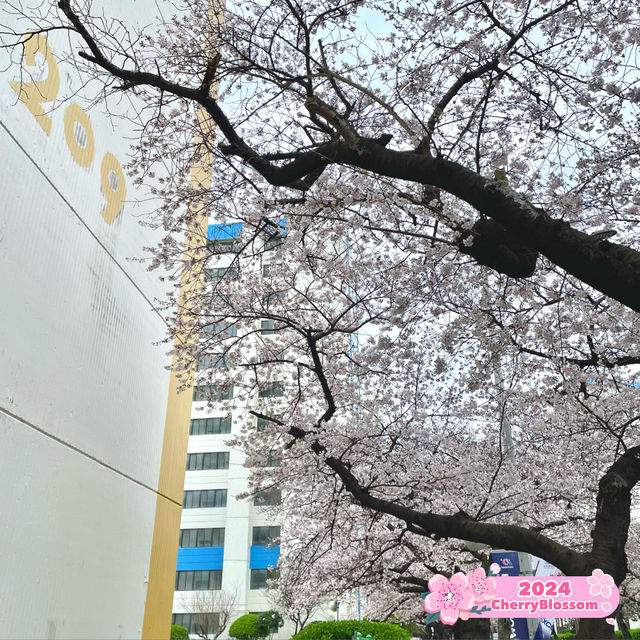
223	231
264	557
200	558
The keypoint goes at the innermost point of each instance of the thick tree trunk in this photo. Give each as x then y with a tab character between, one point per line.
594	629
624	627
504	629
610	532
473	629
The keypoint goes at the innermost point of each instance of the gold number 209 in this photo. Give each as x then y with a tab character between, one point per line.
78	131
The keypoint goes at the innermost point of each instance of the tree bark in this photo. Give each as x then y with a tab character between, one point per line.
594	629
504	629
471	629
610	532
624	627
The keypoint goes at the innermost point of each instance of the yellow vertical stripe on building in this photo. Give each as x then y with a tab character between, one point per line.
164	549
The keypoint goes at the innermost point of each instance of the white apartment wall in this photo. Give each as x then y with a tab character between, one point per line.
240	515
83	390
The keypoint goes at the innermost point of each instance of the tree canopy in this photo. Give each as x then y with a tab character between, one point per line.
453	187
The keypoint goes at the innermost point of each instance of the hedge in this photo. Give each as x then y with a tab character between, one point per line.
634	633
179	633
246	628
344	630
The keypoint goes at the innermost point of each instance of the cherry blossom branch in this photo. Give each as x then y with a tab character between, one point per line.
459	526
610	268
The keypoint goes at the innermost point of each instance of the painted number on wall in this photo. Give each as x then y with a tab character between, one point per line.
78	131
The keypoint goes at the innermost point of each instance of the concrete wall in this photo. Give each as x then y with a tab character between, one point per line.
83	390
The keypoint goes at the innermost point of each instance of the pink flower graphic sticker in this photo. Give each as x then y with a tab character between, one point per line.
450	597
600	583
482	588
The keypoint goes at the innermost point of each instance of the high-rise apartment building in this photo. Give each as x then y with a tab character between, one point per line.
228	546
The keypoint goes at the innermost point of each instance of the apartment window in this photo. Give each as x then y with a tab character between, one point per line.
202	426
207	461
269	497
214	298
205	625
273	298
214	361
259	577
214	329
218	273
263	536
182	619
200	624
273	242
212	392
266	270
273	459
262	424
272	390
203	362
199	580
205	498
268	327
191	538
225	245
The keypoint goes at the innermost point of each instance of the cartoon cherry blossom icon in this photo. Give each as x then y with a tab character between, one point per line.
482	588
600	583
451	598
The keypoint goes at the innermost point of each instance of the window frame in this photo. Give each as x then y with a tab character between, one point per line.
220	246
187	580
272	532
271	390
198	536
217	274
223	421
271	573
268	327
273	459
223	392
267	493
194	499
199	461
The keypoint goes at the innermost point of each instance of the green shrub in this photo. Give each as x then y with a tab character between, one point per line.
247	627
270	622
344	630
416	629
635	634
179	633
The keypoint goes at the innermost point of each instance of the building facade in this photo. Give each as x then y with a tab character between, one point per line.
83	388
228	545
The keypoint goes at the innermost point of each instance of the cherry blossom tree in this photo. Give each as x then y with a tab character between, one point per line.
453	303
211	612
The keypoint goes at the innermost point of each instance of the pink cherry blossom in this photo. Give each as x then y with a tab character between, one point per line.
494	568
451	598
482	588
600	583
